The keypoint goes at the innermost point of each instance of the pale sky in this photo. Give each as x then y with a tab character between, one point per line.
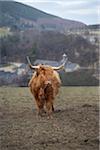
86	11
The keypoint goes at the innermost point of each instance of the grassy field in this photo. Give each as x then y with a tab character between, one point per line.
4	32
74	125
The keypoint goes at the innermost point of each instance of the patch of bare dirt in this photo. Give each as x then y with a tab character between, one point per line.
73	127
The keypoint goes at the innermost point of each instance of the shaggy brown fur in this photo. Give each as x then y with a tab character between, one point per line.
44	86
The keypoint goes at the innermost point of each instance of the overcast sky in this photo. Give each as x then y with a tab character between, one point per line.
86	11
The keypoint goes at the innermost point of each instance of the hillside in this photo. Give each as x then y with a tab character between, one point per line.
33	44
18	10
94	26
14	14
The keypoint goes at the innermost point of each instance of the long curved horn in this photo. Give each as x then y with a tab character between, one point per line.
59	67
30	65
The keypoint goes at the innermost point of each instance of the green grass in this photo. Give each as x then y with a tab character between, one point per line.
4	32
95	32
5	65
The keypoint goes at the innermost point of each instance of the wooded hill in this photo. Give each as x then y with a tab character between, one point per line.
47	45
39	35
20	16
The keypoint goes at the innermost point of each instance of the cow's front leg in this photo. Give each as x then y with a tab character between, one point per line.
50	108
40	107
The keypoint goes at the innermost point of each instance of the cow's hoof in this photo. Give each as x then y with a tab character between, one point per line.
41	114
49	117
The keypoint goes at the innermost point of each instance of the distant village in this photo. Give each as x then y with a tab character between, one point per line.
16	72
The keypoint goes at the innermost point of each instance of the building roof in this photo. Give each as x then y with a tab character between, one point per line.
69	66
46	62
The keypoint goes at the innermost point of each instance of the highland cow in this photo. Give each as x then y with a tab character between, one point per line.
44	86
